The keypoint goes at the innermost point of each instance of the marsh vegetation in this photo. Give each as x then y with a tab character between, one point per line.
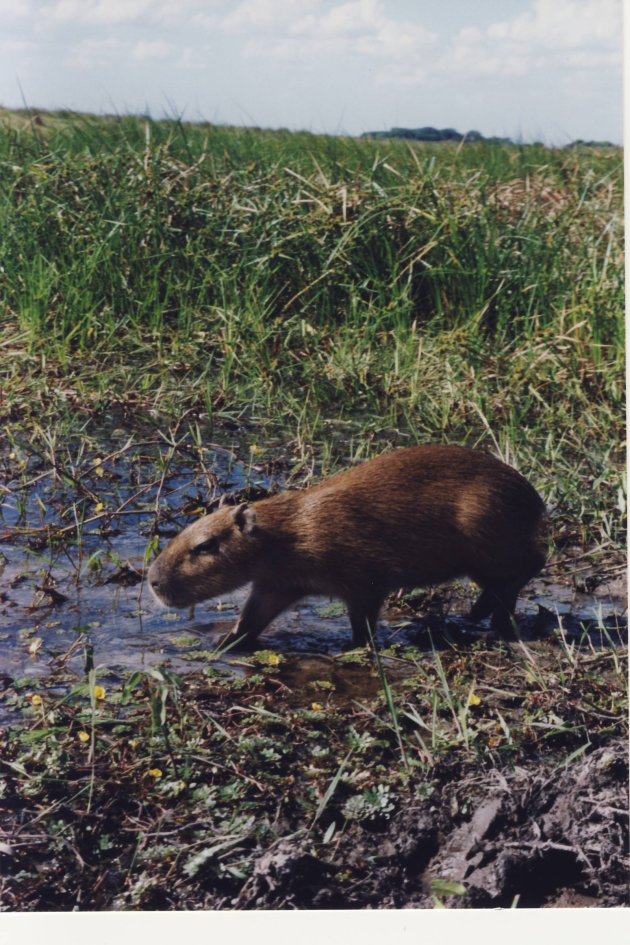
189	311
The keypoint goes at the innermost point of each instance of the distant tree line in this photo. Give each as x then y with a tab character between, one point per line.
450	134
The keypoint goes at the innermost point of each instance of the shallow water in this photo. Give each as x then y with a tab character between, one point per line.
56	595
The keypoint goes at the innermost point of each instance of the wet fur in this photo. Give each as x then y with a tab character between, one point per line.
412	517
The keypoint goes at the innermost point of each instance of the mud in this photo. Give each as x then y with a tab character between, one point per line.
541	837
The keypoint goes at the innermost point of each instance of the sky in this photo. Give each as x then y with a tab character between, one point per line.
547	70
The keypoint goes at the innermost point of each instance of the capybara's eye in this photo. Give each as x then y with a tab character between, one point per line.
209	547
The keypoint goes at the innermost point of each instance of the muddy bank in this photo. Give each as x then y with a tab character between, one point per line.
480	776
545	836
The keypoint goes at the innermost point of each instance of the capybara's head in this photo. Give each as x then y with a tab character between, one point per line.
210	557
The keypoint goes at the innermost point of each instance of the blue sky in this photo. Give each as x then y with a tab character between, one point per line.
537	69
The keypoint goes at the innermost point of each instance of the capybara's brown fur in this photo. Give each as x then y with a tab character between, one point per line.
412	517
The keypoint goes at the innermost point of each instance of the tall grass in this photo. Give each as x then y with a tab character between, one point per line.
471	293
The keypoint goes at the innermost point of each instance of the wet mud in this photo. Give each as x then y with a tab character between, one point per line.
541	837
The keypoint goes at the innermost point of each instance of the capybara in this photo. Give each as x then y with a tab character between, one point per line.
408	518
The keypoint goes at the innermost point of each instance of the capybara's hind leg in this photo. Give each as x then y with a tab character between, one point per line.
483	606
498	599
505	597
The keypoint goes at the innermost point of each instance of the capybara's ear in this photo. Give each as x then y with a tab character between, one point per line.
244	518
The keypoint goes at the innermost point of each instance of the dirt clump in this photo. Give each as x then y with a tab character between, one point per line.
285	874
540	834
540	837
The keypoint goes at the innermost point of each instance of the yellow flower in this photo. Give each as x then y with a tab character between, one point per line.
133	743
268	658
36	700
99	693
98	466
473	699
155	773
317	706
83	737
99	506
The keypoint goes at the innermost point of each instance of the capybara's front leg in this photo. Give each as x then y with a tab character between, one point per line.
261	607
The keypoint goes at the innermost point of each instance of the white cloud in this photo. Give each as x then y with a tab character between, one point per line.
17	47
562	24
265	14
103	12
112	13
358	16
96	52
402	75
571	34
9	9
158	49
574	34
299	30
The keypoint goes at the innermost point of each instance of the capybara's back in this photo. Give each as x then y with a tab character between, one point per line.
435	512
415	516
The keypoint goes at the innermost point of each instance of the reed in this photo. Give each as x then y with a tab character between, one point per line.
471	294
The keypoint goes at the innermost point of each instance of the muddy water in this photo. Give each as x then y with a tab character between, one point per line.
63	588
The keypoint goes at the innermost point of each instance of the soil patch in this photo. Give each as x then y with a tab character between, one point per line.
535	837
485	778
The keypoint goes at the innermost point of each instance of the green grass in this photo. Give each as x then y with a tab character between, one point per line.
412	292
